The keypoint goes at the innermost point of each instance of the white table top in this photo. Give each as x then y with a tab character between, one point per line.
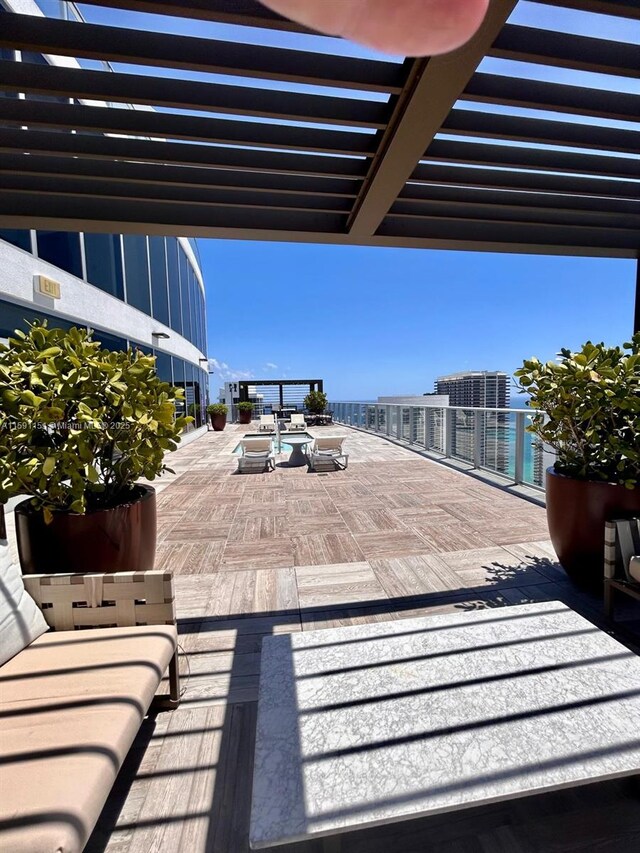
292	438
389	721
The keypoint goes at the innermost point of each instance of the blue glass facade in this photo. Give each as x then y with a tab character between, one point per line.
153	274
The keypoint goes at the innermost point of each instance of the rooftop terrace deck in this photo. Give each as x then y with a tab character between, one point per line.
393	536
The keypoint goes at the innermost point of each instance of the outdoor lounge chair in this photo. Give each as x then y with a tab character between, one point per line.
267	423
257	456
621	560
297	424
326	451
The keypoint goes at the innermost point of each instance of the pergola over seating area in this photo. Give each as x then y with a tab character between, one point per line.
279	394
392	153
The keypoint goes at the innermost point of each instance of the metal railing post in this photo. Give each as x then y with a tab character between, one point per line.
477	439
519	462
449	422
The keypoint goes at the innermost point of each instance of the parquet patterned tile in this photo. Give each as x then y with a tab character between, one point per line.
495	567
270	554
371	520
187	531
324	549
417	575
255	528
390	544
316	525
330	585
202	558
443	536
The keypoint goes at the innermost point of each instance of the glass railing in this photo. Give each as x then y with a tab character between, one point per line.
493	440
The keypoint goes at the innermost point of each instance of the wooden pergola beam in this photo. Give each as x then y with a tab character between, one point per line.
432	88
619	8
249	13
190	53
603	56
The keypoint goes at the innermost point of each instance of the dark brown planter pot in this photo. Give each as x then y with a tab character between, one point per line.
576	512
218	422
245	417
121	539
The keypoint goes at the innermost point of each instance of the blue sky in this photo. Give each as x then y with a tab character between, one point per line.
383	321
388	321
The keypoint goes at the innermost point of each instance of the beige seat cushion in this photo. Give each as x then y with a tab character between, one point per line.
70	707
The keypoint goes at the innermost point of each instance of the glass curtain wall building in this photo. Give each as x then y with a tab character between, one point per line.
132	290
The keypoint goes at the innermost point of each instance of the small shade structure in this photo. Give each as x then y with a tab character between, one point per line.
279	393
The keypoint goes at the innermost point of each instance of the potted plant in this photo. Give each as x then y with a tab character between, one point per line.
315	402
589	412
218	414
79	427
245	408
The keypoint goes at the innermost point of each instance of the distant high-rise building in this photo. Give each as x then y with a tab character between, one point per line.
480	389
476	389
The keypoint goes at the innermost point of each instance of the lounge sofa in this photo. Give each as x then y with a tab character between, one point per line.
72	701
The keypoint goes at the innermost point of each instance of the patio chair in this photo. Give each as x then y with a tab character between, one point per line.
621	560
267	423
297	424
326	451
257	456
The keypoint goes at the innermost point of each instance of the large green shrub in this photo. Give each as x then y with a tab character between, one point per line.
589	404
79	425
315	402
245	406
217	409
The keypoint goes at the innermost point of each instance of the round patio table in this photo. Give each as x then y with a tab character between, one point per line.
297	442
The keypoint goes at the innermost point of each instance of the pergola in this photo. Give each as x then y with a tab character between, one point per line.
299	387
563	189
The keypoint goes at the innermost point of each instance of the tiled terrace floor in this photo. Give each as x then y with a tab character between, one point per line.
391	537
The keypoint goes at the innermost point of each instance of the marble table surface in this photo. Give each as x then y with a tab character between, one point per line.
395	720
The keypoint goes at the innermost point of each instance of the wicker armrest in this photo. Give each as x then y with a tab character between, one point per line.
622	543
121	599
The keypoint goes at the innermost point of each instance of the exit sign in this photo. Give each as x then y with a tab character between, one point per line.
48	287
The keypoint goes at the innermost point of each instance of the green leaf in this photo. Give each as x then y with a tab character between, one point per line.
49	465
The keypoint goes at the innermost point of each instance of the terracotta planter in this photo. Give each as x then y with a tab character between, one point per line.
218	422
121	539
576	512
244	416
